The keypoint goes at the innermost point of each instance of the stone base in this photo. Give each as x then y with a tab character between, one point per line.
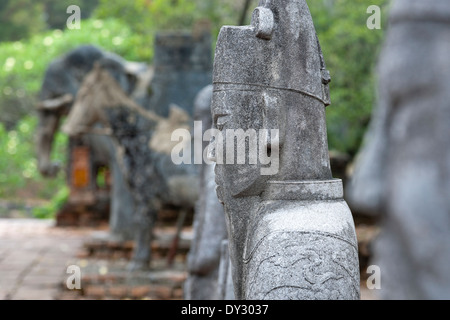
85	214
302	248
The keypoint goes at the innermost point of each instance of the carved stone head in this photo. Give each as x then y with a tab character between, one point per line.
270	89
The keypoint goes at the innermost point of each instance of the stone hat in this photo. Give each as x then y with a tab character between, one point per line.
279	50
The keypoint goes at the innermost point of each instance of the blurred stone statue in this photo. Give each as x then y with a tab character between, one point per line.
291	234
402	175
209	221
142	130
60	85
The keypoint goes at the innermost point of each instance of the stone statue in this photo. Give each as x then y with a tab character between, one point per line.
401	175
291	234
154	180
142	130
60	85
209	221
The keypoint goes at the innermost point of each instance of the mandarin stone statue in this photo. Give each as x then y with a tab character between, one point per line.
402	176
291	234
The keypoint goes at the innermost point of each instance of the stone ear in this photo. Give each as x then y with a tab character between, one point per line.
263	23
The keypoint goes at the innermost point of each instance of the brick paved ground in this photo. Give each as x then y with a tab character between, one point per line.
34	256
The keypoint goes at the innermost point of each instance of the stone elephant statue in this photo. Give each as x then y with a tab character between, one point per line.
142	139
142	128
61	83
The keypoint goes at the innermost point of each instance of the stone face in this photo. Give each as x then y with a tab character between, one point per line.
402	173
209	221
291	235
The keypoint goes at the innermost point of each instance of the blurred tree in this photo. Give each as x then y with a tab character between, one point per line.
23	63
148	16
20	18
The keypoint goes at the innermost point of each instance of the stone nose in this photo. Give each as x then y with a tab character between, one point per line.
211	152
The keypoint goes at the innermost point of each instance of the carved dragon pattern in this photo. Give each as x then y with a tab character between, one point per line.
308	268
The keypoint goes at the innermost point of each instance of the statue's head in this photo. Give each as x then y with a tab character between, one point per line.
261	74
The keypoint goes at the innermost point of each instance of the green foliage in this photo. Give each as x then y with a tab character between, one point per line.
18	163
184	13
49	210
20	18
133	13
147	17
350	48
351	51
101	177
23	63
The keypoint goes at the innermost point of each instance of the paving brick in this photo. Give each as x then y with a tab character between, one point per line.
161	292
36	261
177	293
31	293
69	295
118	291
41	281
95	291
140	291
83	254
107	278
89	278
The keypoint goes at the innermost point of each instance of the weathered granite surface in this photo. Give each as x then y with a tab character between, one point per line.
291	234
402	173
